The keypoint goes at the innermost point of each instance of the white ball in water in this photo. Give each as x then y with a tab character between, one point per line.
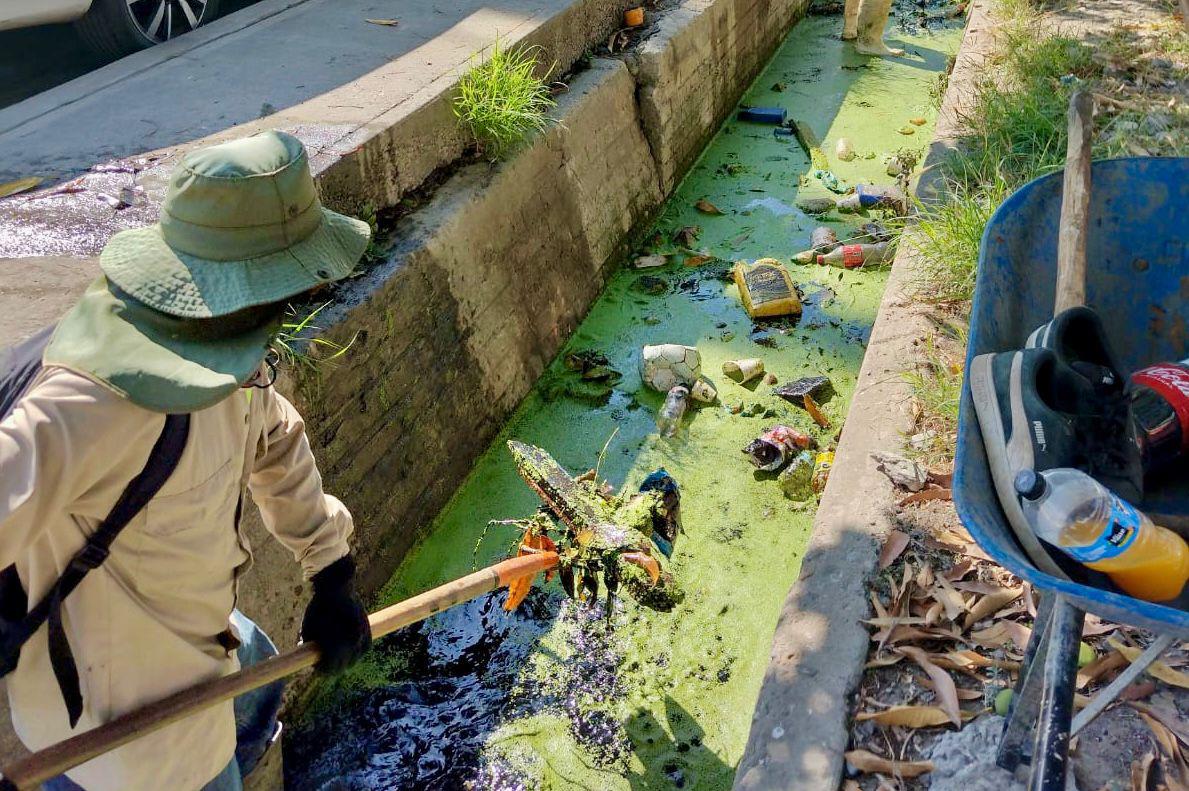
670	364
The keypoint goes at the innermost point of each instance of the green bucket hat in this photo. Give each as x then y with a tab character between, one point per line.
241	225
188	307
160	362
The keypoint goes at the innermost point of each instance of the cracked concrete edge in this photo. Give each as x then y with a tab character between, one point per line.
799	730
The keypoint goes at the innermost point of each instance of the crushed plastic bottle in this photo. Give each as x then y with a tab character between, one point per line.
1071	511
776	446
868	196
821	241
668	420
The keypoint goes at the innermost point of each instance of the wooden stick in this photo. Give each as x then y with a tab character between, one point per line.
29	773
1075	206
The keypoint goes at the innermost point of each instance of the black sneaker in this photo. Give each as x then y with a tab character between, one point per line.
1097	399
1015	396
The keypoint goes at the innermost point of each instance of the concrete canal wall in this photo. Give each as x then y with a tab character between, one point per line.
489	278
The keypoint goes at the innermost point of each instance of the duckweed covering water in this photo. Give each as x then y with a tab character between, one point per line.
553	696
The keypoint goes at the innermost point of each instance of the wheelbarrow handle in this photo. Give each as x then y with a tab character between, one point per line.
1075	205
28	773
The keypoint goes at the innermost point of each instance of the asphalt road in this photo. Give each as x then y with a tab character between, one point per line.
37	59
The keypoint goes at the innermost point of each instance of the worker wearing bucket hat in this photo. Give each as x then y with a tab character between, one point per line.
178	325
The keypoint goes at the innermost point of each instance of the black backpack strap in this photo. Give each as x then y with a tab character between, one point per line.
161	463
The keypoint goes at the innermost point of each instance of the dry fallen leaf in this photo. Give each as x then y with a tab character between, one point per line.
991	604
384	22
706	207
1100	667
949	598
926	495
1141	770
943	685
871	763
815	411
20	185
893	546
687	235
1138	690
1157	669
1002	632
1176	770
697	260
1170	719
912	716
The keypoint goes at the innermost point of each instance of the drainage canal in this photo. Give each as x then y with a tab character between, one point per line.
553	695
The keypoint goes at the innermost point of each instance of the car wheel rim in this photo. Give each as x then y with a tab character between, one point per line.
161	20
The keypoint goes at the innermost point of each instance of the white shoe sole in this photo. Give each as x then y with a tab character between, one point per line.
990	423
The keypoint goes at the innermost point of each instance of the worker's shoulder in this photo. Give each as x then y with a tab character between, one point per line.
68	389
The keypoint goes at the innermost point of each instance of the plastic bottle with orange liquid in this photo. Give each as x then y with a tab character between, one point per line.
1073	512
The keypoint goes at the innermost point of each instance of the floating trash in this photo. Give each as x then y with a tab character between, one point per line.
664	366
743	370
775	446
766	289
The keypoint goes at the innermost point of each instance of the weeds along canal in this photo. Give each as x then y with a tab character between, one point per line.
554	695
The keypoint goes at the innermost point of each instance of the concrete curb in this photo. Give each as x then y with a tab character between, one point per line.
800	727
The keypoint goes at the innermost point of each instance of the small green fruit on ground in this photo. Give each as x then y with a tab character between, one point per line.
1086	655
1003	702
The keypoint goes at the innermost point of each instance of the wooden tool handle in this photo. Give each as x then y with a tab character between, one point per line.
1075	206
29	773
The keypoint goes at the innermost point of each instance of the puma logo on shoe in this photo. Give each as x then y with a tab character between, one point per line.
1038	431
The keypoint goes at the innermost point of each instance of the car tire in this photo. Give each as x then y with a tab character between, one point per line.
115	28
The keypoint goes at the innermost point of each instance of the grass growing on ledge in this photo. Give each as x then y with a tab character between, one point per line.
502	101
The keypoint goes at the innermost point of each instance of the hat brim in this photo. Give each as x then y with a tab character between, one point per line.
159	362
142	264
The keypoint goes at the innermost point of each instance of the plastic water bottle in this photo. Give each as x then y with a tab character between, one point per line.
854	256
669	418
1075	513
869	196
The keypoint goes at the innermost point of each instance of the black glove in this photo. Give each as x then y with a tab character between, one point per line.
335	618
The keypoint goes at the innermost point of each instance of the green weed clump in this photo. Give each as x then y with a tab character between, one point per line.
502	101
300	351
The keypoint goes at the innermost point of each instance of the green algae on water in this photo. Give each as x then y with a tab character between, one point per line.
687	681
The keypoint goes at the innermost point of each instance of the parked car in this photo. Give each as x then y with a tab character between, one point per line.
113	28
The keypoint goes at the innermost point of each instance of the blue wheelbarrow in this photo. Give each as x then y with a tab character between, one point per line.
1138	281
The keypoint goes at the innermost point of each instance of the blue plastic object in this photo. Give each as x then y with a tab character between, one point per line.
1138	281
763	115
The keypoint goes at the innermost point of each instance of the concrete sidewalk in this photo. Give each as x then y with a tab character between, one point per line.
267	59
369	100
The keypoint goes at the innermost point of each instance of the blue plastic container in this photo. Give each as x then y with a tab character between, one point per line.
1138	281
763	115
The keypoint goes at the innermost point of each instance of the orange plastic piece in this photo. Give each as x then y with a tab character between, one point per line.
518	588
646	562
633	17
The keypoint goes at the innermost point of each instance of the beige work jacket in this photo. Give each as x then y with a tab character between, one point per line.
148	621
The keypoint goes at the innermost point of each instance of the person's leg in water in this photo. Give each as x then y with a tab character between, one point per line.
873	18
850	20
256	723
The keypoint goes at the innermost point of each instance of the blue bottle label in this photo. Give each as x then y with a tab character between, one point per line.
1121	529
